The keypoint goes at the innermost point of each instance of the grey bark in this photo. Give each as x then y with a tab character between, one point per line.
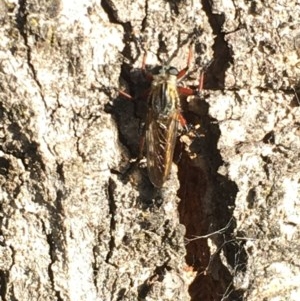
78	223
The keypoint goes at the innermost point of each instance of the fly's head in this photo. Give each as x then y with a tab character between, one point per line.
164	74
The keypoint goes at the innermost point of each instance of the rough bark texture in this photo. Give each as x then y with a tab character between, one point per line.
77	223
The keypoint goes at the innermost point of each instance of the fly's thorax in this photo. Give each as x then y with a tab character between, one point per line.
164	98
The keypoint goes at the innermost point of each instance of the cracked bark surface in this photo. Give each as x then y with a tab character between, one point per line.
77	223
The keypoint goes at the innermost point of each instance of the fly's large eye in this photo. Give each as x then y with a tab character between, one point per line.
156	70
173	71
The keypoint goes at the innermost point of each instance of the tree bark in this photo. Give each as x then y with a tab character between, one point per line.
79	221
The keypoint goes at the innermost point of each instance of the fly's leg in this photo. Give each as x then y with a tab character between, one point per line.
183	122
182	73
125	95
188	128
187	91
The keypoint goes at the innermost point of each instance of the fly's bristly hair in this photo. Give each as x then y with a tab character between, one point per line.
162	124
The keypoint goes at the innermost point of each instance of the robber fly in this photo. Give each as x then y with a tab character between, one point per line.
162	124
163	118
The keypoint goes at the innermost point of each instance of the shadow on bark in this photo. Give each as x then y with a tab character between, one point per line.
207	204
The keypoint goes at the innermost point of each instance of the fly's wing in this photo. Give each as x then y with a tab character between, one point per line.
160	140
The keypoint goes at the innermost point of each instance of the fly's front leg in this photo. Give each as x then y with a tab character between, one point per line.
182	73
